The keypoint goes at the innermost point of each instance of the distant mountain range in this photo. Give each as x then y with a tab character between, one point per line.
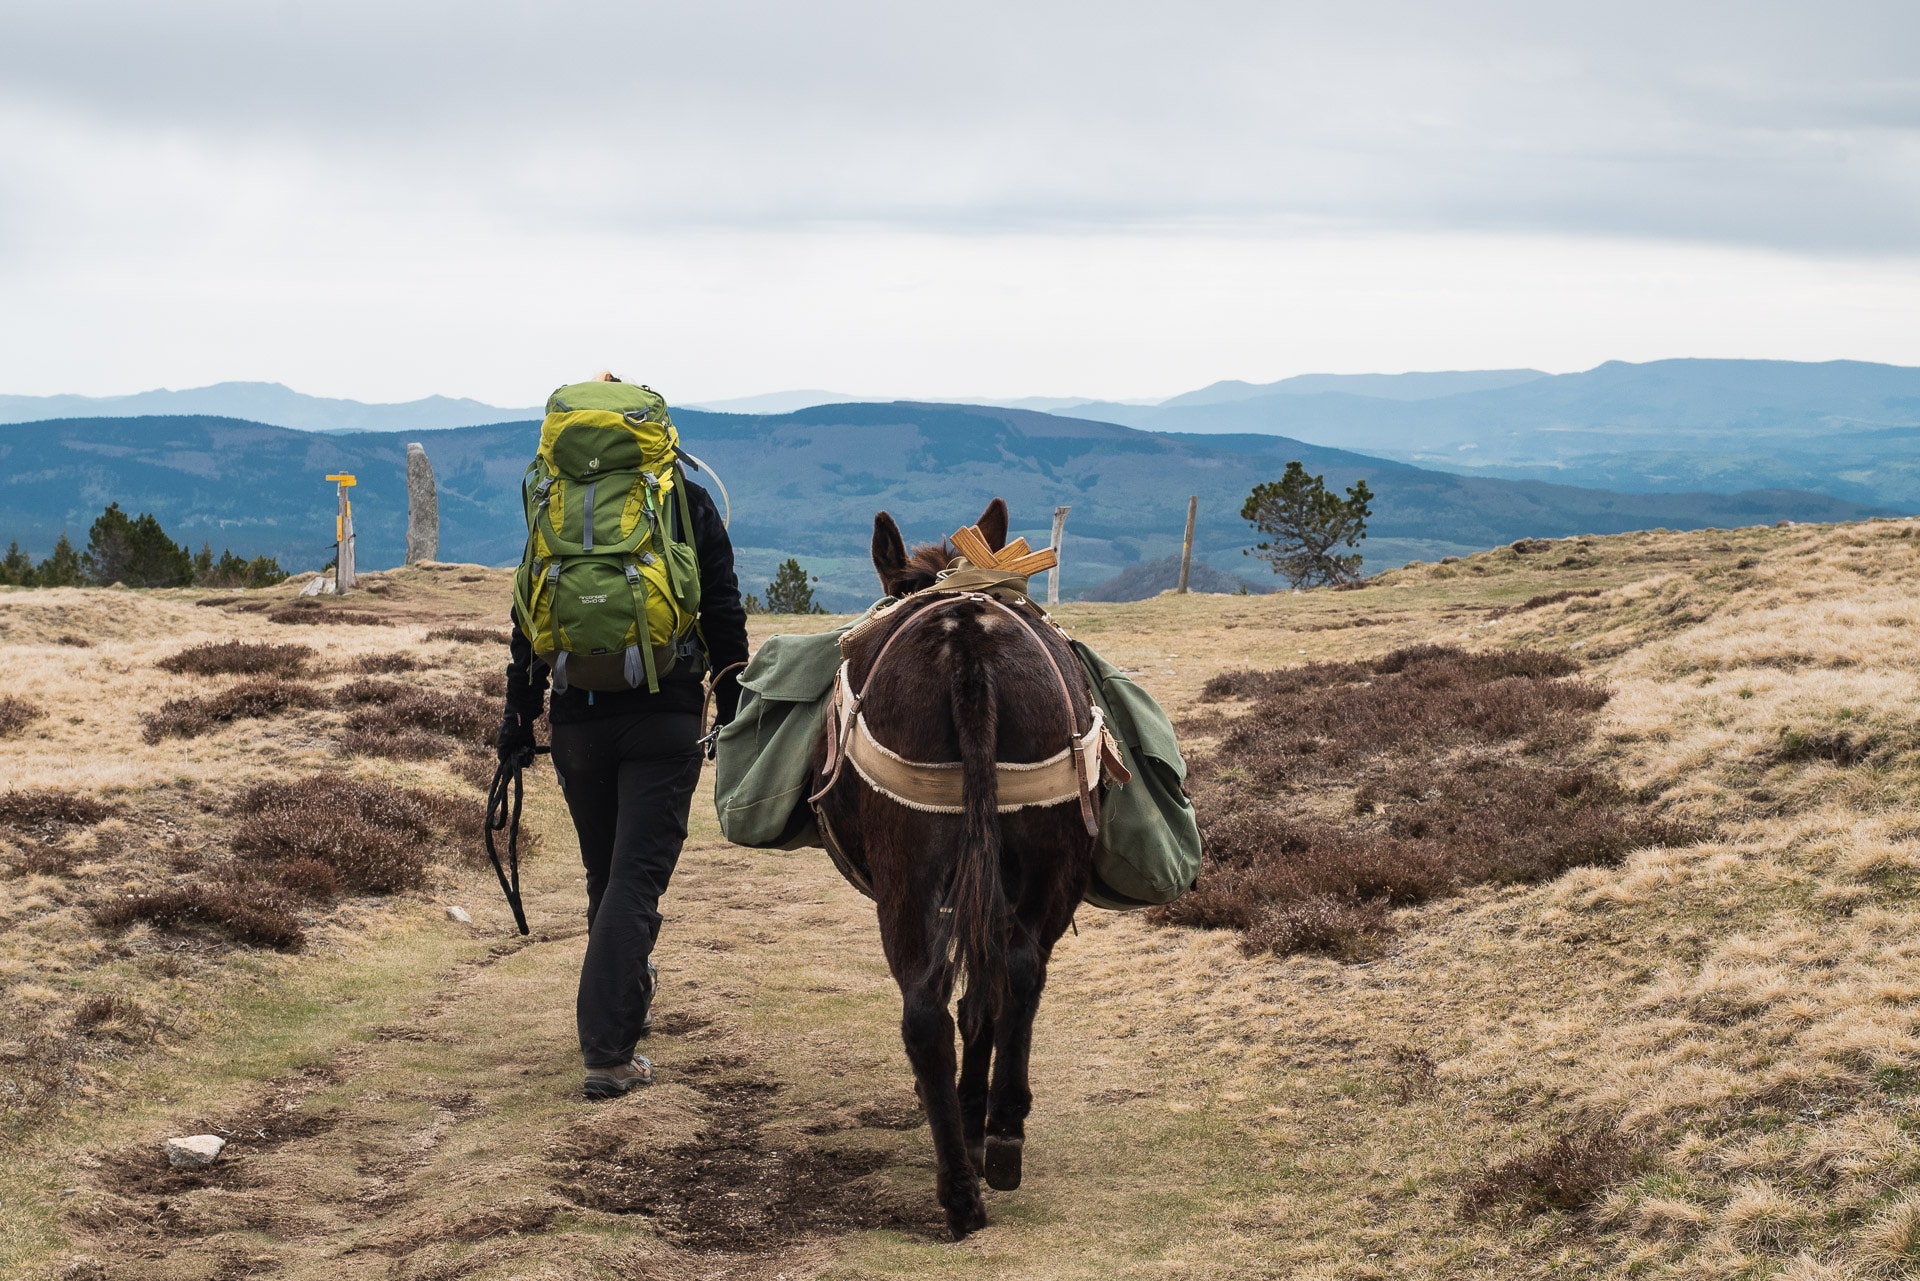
1847	429
807	484
266	403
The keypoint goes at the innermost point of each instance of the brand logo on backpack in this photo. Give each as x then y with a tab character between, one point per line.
593	600
593	464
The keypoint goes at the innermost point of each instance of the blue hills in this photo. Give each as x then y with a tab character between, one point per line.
807	483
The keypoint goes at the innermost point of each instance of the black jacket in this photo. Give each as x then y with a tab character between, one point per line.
723	622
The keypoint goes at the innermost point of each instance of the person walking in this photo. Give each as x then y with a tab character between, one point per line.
628	760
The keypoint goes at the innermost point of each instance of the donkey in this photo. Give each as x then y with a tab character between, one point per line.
982	893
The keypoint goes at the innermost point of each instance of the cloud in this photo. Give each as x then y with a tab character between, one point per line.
389	200
1785	125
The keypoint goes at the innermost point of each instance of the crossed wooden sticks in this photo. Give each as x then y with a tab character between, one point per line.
1015	558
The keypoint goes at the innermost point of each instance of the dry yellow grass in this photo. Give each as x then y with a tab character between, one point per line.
1744	1009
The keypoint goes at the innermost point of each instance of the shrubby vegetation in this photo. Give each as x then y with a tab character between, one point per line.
136	552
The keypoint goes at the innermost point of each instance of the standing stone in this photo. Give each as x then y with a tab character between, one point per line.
423	508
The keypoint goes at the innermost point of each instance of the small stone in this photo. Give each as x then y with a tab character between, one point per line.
194	1151
459	914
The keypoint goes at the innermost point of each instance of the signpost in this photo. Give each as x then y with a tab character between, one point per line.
1059	532
343	535
1186	547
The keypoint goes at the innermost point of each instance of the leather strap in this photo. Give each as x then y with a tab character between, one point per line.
841	726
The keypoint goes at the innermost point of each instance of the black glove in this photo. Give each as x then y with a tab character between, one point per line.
515	740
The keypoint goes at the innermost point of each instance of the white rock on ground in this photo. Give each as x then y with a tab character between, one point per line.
194	1151
459	914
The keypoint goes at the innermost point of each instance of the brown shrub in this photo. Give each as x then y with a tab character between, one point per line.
1837	746
16	714
45	860
493	683
1538	602
309	611
1570	1174
375	838
256	697
406	745
242	914
1463	773
357	693
470	635
238	658
76	642
44	807
386	663
465	717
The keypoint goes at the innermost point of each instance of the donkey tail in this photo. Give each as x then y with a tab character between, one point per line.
979	900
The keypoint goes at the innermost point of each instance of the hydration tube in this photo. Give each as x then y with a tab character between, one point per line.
727	520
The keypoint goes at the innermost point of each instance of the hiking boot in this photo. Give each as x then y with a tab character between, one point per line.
611	1083
646	1013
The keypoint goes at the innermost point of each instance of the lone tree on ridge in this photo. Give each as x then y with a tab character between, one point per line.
791	591
1304	522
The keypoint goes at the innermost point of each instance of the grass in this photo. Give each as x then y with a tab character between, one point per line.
1740	1010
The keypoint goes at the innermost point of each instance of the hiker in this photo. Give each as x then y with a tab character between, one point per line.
627	750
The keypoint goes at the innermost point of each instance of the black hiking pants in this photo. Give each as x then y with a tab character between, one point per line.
629	782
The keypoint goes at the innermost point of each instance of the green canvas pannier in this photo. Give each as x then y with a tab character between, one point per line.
1149	850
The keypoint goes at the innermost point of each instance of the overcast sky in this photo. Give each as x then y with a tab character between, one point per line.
1117	199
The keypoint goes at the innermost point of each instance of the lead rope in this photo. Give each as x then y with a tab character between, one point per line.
710	741
503	814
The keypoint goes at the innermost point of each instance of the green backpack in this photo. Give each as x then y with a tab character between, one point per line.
608	589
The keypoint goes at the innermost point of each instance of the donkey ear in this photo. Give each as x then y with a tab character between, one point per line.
993	524
889	550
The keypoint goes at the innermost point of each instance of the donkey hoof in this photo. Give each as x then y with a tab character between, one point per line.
1003	1164
967	1219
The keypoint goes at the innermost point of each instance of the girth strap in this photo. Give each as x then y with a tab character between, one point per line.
927	786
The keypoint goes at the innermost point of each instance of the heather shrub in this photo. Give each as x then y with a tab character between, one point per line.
386	663
238	658
1570	1173
47	807
1464	770
16	714
243	914
465	717
256	697
470	635
375	838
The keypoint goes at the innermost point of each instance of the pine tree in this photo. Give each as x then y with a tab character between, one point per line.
17	569
1304	522
62	568
791	591
135	552
203	564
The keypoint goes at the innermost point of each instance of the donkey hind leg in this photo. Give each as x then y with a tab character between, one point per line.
1011	1098
976	1040
927	1030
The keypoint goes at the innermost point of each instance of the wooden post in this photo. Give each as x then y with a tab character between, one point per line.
1186	547
343	535
1059	532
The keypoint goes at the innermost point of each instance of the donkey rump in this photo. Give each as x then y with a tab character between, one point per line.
1149	846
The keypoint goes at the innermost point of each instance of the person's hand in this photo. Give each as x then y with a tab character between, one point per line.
515	742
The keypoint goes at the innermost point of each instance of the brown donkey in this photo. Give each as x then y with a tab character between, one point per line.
984	892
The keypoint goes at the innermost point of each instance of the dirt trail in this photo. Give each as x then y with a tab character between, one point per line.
453	1142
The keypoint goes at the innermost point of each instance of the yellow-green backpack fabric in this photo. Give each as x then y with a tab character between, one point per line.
609	587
